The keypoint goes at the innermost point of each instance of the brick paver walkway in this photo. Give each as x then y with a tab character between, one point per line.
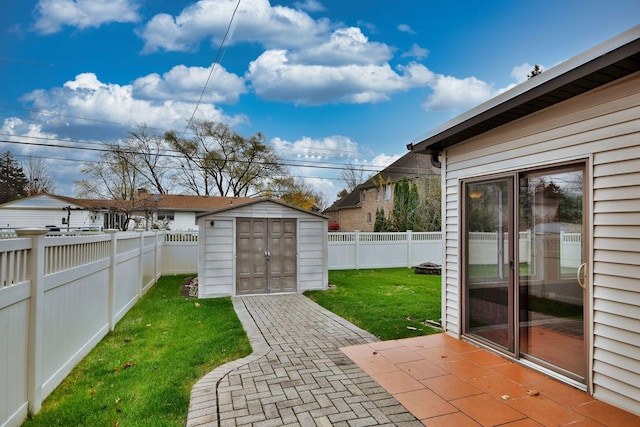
296	374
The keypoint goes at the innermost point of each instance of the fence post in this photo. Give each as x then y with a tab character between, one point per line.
35	266
409	243
112	276
357	249
141	266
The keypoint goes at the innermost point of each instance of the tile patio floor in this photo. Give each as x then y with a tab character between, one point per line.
447	382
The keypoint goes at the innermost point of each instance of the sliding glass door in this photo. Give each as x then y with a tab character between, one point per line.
489	289
551	294
524	266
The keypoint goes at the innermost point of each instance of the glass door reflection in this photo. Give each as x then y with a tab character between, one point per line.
551	298
489	279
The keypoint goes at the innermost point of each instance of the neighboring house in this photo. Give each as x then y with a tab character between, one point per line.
357	210
547	166
175	212
264	246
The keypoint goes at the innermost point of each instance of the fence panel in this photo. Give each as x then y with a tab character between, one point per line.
180	252
383	250
14	328
58	297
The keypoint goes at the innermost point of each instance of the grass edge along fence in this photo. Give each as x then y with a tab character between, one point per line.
59	296
142	373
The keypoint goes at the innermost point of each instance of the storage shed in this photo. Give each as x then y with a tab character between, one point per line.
541	222
261	247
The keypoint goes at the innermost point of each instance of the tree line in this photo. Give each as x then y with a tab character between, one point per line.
212	160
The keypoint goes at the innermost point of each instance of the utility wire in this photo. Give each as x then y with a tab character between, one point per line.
100	147
213	67
287	162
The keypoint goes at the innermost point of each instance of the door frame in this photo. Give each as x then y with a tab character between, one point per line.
586	165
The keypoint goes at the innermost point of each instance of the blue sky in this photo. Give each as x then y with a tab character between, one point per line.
328	82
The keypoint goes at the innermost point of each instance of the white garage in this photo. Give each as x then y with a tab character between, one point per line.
261	247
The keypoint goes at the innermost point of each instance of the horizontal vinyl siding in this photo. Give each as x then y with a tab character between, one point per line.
312	255
216	275
602	125
616	265
450	269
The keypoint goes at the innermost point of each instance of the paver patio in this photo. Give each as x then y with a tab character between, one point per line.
310	367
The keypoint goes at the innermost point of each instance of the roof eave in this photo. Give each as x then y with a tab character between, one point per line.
502	108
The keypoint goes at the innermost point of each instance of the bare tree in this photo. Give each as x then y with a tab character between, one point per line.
147	156
220	161
352	176
37	173
115	180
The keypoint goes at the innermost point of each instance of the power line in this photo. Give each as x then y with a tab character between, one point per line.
283	162
213	67
100	147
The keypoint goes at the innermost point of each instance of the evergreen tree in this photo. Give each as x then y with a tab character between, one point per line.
381	224
405	213
13	182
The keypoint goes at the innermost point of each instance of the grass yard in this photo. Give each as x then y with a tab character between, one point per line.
384	302
142	373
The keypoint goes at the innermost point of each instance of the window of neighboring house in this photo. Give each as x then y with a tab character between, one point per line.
387	192
165	215
369	217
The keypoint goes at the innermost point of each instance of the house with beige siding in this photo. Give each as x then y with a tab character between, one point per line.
541	221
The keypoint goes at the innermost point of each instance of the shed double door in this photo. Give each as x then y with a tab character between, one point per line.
266	254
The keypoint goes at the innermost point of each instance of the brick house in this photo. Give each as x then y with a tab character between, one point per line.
357	210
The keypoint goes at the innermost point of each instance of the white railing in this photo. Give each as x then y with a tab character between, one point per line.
59	295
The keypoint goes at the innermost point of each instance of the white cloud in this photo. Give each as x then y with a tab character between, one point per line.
345	46
451	93
310	5
273	77
519	72
85	98
310	149
256	21
405	29
381	161
186	84
29	138
52	15
416	52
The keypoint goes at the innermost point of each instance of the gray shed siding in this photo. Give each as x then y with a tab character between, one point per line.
217	257
601	127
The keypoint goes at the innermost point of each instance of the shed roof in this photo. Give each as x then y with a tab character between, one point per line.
602	64
256	201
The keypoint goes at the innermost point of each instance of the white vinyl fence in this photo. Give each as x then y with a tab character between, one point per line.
59	296
357	249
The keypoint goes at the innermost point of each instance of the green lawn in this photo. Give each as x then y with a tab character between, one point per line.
142	373
383	301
